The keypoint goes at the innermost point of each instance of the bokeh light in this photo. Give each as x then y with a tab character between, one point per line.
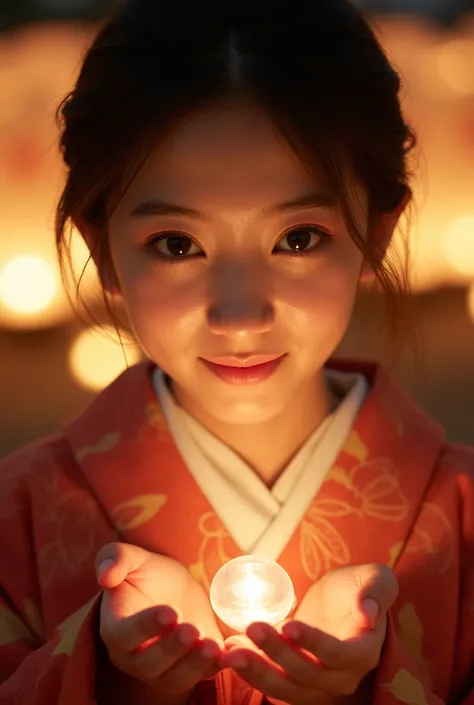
455	65
459	245
28	284
30	292
97	357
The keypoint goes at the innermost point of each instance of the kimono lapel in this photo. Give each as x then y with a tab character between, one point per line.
363	512
369	502
137	475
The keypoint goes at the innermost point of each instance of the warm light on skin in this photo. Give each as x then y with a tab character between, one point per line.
96	357
251	589
28	284
224	174
240	297
459	245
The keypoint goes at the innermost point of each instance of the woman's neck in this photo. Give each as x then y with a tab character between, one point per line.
269	447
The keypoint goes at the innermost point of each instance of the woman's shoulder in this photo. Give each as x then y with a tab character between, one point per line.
33	463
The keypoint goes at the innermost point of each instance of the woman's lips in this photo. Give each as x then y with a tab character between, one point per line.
244	370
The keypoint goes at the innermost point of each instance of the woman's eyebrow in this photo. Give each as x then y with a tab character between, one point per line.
156	207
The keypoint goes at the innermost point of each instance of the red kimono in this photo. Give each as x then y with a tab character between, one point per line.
397	494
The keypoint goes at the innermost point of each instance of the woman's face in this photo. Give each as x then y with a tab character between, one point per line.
226	250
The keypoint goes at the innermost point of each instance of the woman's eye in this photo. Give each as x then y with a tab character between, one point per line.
301	239
175	246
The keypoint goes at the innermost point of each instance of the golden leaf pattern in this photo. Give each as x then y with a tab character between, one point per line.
394	554
106	444
154	415
381	497
137	511
321	546
70	628
34	619
12	629
213	544
197	571
433	538
340	476
356	447
331	507
411	632
372	490
406	688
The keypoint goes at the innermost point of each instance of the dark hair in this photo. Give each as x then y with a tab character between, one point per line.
315	66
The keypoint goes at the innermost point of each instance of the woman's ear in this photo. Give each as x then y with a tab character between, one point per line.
92	236
383	234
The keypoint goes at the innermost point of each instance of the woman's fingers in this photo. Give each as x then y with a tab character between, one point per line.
378	591
128	633
360	653
153	662
116	560
201	663
301	668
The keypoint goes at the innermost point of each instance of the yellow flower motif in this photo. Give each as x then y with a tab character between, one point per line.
106	444
321	545
406	688
70	628
154	415
12	629
34	619
356	447
394	554
371	489
411	632
137	511
433	538
212	554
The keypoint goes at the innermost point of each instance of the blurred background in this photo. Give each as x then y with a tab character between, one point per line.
51	363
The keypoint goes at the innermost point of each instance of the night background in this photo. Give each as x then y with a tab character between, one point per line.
51	363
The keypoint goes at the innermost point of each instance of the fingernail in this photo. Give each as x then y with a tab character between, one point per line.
371	609
292	631
104	567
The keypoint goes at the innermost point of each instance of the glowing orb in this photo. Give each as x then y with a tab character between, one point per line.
251	589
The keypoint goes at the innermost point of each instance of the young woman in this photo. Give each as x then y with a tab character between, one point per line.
236	171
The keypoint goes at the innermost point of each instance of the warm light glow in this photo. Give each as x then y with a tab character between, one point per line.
455	62
96	357
459	245
251	589
28	284
470	302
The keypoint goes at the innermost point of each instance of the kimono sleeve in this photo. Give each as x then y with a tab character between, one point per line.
39	665
399	678
62	671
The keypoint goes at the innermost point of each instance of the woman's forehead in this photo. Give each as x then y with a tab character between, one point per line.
224	156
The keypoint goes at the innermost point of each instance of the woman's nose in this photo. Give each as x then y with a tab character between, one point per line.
240	302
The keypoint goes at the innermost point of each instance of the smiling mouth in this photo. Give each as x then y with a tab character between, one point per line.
244	369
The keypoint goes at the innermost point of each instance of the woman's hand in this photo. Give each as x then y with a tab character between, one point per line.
157	625
330	647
